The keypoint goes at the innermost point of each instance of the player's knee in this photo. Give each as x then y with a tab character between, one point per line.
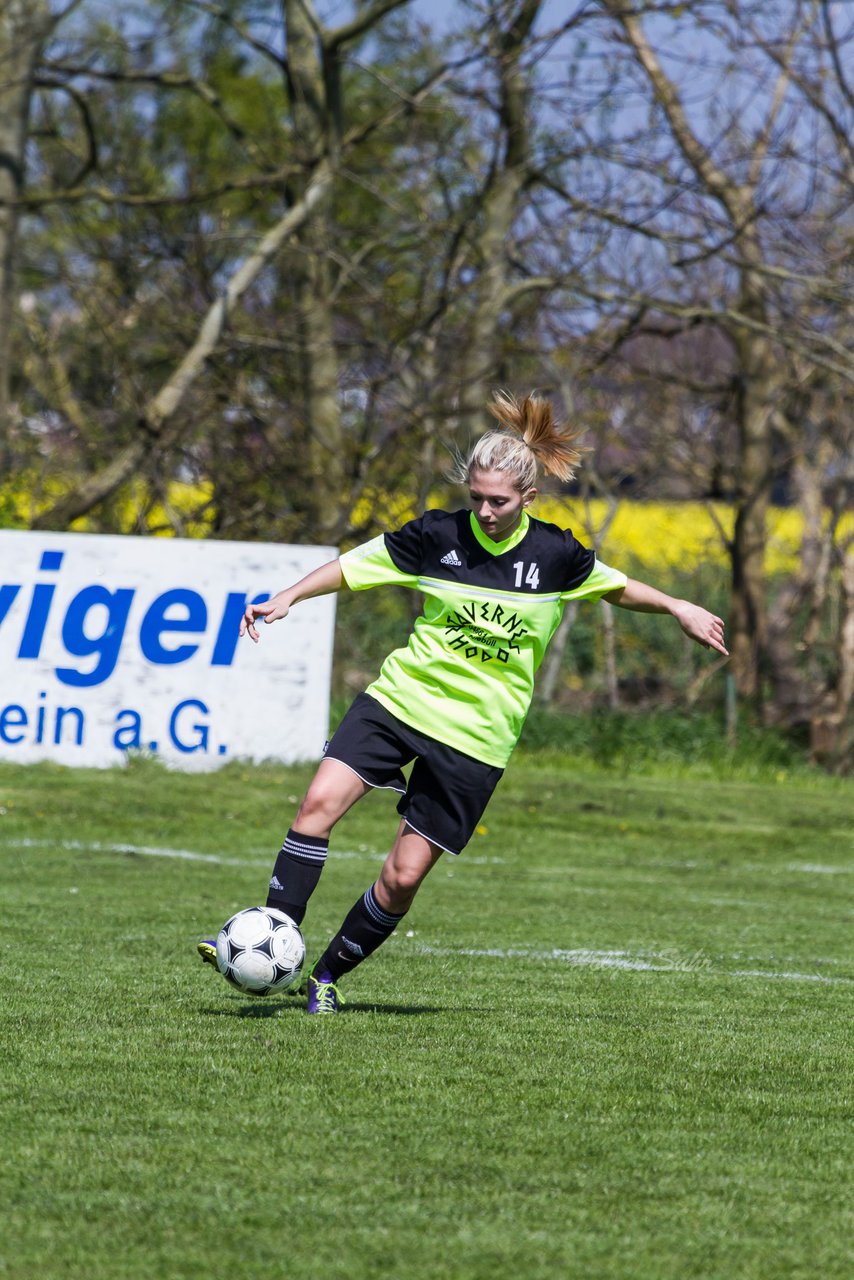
320	805
400	885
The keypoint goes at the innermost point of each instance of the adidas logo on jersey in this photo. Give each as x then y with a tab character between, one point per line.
451	558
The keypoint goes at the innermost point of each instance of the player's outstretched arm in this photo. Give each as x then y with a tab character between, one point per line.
696	622
320	582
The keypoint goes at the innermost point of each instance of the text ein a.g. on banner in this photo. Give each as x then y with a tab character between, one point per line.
116	644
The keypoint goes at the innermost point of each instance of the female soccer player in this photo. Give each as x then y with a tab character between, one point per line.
495	582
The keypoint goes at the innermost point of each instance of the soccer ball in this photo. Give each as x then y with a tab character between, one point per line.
260	951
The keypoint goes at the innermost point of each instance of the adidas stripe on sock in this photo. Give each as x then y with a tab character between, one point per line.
299	863
366	927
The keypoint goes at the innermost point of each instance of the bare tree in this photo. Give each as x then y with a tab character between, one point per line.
716	200
158	425
320	140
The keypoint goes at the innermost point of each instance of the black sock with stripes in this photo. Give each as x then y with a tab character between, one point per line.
296	873
365	927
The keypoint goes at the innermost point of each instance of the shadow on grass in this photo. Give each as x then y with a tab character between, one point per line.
295	1006
256	1010
399	1010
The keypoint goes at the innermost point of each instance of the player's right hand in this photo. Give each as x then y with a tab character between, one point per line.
270	610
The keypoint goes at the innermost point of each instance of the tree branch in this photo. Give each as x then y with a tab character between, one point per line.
730	319
161	409
725	191
77	195
357	26
167	80
833	46
91	161
223	15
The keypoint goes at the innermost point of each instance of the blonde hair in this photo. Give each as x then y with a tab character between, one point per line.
531	435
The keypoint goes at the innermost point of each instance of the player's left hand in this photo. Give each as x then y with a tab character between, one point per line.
702	626
270	610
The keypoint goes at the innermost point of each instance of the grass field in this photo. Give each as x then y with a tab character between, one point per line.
612	1040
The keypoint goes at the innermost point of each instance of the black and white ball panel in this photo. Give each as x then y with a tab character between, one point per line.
260	951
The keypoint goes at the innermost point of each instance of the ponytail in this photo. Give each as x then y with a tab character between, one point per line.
530	436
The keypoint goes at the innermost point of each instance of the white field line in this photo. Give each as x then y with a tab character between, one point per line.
819	868
582	958
190	855
626	962
148	851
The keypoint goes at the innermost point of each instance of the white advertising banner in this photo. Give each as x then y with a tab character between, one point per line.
117	644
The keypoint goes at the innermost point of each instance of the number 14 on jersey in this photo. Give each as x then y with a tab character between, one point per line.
532	577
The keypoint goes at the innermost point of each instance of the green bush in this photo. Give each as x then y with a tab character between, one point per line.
678	739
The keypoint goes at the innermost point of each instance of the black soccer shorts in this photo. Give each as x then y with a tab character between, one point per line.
447	791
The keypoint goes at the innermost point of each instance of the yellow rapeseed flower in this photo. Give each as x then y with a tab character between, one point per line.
647	536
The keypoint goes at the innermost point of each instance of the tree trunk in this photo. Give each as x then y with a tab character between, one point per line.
553	661
500	206
796	675
832	721
759	376
612	679
315	130
755	405
844	747
24	24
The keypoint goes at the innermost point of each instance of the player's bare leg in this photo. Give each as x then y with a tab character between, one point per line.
411	857
333	790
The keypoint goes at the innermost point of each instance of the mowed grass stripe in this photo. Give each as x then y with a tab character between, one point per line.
653	962
467	1116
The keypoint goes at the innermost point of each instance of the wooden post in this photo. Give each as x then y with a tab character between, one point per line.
731	711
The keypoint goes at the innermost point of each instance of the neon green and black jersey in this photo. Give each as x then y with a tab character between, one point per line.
466	677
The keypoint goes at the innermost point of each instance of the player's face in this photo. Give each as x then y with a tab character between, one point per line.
497	503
